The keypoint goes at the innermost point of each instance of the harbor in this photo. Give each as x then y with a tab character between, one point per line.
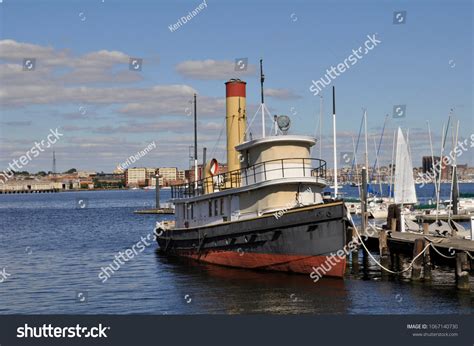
55	252
418	254
270	212
251	173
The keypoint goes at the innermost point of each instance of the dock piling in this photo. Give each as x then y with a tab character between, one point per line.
462	271
417	264
426	256
385	258
355	255
472	228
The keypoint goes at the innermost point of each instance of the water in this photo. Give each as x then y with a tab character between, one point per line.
425	194
53	251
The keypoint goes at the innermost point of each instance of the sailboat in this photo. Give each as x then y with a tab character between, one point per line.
404	186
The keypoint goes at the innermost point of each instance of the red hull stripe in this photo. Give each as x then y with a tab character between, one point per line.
276	262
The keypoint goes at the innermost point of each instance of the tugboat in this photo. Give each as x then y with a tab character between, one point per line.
267	211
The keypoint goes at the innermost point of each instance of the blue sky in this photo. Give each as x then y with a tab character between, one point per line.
81	82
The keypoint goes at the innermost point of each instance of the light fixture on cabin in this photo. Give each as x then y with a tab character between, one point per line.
284	123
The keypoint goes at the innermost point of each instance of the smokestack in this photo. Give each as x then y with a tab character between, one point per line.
235	120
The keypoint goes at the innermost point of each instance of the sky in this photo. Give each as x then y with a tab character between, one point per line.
82	82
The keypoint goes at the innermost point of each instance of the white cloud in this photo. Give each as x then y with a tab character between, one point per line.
17	123
284	94
61	79
63	66
177	104
212	69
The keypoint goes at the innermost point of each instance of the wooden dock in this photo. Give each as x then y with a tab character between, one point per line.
466	217
53	190
166	211
425	251
444	243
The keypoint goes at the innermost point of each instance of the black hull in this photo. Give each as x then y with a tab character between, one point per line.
297	241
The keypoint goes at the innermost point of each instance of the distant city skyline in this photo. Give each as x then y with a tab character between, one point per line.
113	76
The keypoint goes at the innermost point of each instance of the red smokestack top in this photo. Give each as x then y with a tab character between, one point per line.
235	87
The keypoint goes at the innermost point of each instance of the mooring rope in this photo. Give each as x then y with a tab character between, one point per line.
445	256
439	253
380	265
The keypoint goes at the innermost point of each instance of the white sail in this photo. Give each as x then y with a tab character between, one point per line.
404	189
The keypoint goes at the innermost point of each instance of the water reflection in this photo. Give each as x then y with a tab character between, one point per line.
234	290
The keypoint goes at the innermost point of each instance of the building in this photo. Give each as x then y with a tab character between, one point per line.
462	170
427	163
109	181
189	173
427	167
140	177
85	174
168	174
150	176
30	185
446	170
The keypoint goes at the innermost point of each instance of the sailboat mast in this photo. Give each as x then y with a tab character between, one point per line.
376	173
356	169
334	139
432	160
366	144
320	126
454	181
357	145
438	182
195	146
391	167
377	148
443	143
262	79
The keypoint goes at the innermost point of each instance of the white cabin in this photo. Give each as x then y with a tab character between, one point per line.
276	174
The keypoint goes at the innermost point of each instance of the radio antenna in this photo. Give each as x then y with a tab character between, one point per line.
262	79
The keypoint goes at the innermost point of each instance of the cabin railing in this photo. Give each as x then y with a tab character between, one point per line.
260	172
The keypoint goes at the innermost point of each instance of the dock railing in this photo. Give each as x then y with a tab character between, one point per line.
260	172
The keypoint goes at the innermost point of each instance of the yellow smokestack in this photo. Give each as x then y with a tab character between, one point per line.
235	120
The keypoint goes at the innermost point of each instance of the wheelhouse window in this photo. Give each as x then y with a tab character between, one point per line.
210	208
222	206
216	209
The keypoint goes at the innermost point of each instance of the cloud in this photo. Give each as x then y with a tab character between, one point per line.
17	51
63	66
100	96
183	125
284	94
60	78
17	123
212	69
175	104
71	128
156	100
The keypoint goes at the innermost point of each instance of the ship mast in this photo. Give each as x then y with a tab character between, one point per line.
334	139
262	79
195	146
